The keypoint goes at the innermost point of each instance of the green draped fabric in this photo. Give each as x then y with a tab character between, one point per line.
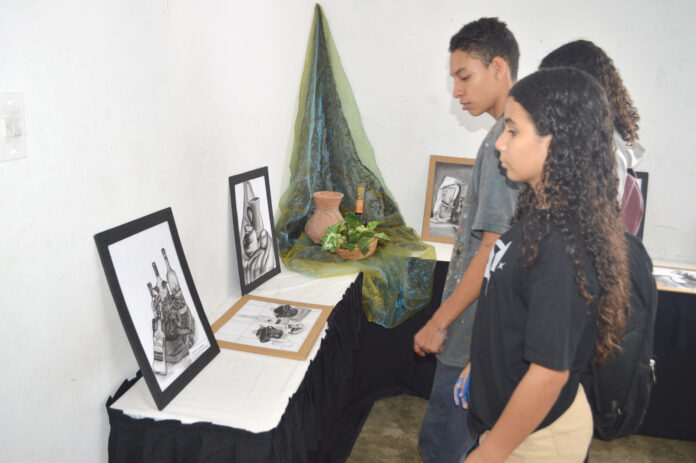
331	152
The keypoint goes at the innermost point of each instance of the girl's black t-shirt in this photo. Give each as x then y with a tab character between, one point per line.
529	315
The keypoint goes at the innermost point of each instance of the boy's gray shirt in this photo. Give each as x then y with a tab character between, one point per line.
490	205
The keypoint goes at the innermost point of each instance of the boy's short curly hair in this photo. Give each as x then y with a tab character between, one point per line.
487	38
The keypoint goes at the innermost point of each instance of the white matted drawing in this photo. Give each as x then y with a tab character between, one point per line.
271	326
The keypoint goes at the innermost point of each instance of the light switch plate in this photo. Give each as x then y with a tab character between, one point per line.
13	135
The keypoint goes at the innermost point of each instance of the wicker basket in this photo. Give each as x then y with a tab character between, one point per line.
356	254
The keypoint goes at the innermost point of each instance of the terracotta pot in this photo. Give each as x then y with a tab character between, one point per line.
325	214
356	254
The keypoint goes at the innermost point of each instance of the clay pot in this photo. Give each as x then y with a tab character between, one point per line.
356	254
325	214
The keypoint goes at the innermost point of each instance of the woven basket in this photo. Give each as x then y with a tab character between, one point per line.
356	254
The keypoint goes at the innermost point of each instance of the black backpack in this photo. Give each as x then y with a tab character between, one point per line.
619	391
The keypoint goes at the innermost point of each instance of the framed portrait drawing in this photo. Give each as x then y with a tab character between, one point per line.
157	302
254	230
449	178
270	326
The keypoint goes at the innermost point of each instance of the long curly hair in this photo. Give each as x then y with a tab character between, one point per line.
578	191
588	57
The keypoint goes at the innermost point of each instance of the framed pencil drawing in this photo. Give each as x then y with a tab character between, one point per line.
157	302
254	230
448	183
271	326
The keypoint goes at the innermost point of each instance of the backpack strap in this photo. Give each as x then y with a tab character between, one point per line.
632	206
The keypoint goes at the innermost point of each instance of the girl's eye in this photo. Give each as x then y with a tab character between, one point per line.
512	132
464	79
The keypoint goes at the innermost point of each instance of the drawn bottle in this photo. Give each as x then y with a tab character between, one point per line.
359	203
171	275
159	364
159	283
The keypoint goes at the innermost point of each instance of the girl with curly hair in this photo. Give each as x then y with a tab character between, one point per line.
555	294
588	57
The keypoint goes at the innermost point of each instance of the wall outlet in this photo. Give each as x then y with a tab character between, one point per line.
13	137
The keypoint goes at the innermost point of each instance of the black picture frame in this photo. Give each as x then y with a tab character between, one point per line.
643	179
165	324
254	229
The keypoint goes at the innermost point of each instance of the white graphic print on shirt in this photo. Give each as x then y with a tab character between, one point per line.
494	259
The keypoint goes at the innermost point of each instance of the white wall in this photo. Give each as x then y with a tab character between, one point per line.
398	67
135	106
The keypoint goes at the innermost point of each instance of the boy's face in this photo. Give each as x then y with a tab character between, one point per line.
475	84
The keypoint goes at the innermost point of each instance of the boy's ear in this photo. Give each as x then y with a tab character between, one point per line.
500	67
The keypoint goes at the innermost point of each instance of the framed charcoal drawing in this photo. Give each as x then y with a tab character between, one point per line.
157	302
254	230
270	326
448	183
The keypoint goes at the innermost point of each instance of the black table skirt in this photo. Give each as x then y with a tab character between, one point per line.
358	362
672	410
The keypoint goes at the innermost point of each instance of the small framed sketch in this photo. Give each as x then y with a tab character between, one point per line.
680	280
254	230
448	183
157	302
271	326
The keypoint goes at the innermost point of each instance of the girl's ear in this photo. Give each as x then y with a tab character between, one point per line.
546	139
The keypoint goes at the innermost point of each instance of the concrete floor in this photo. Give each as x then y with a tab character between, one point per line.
390	434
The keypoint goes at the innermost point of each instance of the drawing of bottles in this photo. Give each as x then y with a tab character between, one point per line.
171	275
159	363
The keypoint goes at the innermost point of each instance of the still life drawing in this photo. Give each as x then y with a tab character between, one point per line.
257	254
261	323
157	302
257	247
448	185
271	326
173	326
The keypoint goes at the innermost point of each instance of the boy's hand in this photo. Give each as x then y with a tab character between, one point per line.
430	339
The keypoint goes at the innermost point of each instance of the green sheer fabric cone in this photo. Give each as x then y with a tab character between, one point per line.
331	152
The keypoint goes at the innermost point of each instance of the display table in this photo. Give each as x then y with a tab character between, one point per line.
318	407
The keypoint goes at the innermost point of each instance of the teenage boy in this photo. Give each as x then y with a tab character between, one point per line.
483	64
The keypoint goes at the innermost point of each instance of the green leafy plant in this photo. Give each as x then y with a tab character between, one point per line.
351	234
